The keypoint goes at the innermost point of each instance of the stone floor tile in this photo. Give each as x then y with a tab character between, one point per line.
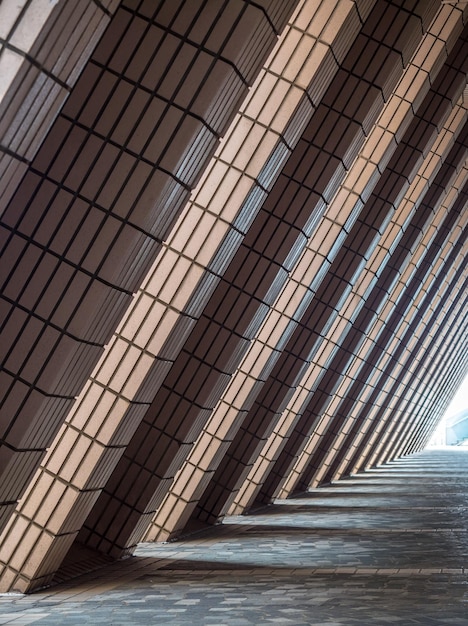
386	547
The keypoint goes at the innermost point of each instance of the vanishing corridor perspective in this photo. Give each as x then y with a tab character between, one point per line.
233	259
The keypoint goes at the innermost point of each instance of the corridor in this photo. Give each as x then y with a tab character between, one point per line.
389	546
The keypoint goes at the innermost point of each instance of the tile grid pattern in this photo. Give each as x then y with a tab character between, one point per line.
324	175
360	428
454	309
455	355
210	356
43	46
395	173
438	248
106	190
328	299
82	477
210	442
372	417
111	390
138	322
283	429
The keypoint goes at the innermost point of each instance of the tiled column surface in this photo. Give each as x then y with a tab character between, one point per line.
425	240
363	426
363	368
414	386
290	440
357	377
451	387
279	322
328	299
422	436
105	398
414	431
323	449
378	407
380	288
239	291
421	390
453	314
431	330
103	191
266	347
418	417
443	376
426	416
436	383
446	354
43	48
198	396
447	389
250	284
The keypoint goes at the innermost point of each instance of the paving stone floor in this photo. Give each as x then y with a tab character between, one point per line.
387	547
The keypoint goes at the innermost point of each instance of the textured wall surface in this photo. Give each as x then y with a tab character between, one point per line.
233	259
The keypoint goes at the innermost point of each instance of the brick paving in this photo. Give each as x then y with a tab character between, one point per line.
387	547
